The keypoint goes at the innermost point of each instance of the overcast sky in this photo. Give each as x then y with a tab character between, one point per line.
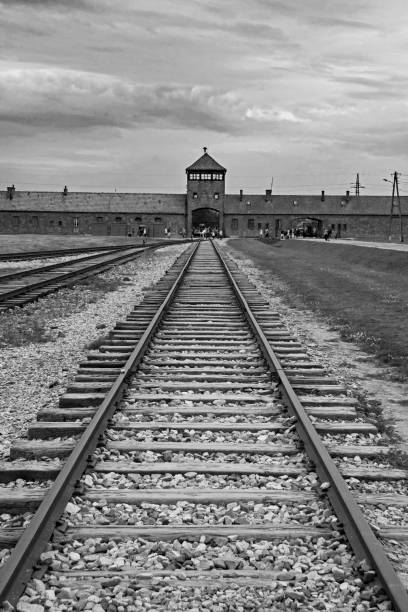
105	94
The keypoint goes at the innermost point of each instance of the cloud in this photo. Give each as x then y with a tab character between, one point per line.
69	4
68	99
272	114
55	98
336	22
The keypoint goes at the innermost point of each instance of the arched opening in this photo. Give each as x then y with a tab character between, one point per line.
205	219
309	227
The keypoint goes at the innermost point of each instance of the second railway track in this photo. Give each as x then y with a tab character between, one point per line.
22	287
193	466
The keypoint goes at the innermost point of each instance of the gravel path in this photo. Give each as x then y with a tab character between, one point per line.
33	376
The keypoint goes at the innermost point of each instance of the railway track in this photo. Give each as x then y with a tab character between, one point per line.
52	253
20	288
191	465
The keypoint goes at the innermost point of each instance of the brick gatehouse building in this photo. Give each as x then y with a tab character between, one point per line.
205	203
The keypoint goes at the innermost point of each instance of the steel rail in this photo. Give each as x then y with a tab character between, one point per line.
18	569
22	255
358	531
74	275
41	269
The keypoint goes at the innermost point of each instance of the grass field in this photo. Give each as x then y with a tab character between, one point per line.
363	292
43	242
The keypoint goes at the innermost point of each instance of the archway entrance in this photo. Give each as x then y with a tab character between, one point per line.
205	219
310	227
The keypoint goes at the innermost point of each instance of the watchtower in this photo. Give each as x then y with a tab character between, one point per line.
205	193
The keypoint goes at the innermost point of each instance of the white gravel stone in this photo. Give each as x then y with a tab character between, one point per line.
33	376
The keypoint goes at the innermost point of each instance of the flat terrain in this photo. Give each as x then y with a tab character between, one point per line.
362	292
43	242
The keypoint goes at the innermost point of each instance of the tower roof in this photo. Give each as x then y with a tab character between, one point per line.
206	163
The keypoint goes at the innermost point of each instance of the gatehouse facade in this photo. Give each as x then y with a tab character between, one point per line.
205	204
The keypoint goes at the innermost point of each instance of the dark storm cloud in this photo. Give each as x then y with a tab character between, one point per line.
67	99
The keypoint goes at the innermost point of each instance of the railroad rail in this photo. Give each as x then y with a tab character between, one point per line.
51	253
20	288
185	453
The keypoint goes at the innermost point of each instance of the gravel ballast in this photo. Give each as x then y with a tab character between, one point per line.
33	376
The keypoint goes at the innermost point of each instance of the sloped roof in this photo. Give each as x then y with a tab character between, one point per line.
206	162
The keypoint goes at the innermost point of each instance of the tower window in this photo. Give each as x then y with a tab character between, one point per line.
217	176
194	176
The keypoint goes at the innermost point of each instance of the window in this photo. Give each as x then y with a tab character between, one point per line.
99	219
344	227
194	176
251	224
16	221
118	219
234	224
138	219
206	176
51	221
195	195
75	221
34	221
157	219
217	176
60	223
216	196
259	226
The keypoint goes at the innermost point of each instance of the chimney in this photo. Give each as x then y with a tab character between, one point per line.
65	192
322	196
10	191
241	193
268	195
347	195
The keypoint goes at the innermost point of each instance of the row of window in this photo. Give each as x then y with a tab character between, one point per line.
205	176
216	195
35	221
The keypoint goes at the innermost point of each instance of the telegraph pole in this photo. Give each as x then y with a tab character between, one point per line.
395	203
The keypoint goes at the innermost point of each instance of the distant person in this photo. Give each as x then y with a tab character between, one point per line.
220	233
261	233
267	232
326	235
169	233
165	232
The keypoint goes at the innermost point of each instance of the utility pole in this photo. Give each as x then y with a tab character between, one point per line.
357	186
395	203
